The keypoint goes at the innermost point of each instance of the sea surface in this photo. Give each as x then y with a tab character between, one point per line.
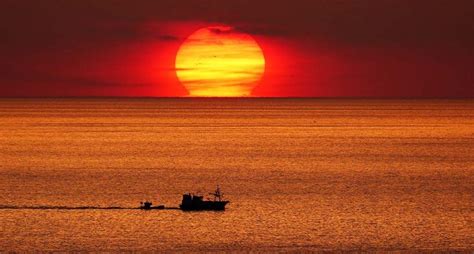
301	174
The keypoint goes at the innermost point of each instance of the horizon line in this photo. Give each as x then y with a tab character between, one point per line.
243	97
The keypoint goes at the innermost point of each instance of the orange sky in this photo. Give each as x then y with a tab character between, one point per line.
318	48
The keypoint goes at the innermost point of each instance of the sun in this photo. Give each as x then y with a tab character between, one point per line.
220	61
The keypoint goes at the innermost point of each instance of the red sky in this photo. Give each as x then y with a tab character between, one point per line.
383	48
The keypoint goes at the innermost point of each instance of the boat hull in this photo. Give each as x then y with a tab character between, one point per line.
160	207
204	206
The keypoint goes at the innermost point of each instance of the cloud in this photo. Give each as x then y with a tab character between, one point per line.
167	37
222	30
15	76
365	22
266	30
255	29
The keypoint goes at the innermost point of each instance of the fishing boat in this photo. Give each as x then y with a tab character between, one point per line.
147	205
192	202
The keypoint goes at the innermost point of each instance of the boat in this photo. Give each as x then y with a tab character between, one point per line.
147	205
192	202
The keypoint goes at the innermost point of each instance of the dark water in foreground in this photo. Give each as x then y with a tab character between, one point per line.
301	174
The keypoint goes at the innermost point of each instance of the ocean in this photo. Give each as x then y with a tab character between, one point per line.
302	175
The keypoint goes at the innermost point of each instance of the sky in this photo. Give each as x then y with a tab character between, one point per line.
312	48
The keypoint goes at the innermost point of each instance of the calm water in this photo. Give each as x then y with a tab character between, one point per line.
301	174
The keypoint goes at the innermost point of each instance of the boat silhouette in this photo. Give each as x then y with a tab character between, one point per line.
192	202
147	205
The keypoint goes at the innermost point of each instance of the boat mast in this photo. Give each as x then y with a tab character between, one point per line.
217	194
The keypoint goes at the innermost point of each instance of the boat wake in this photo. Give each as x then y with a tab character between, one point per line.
6	207
42	207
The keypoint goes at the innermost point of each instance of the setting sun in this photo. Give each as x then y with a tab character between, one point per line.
220	62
